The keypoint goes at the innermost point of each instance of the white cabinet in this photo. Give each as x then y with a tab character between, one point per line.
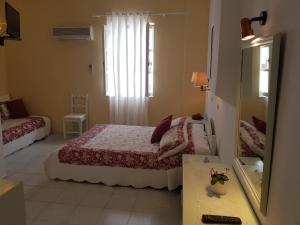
213	43
198	198
12	204
224	52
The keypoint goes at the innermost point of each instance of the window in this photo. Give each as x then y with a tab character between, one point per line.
150	60
264	71
126	91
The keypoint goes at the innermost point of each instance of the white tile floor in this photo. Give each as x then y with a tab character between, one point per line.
50	202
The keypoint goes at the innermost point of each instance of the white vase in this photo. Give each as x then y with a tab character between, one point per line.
219	189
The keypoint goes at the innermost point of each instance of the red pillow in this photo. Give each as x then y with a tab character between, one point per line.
259	124
161	129
197	116
17	109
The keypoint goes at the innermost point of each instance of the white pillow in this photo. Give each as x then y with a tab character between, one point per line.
174	140
200	140
176	121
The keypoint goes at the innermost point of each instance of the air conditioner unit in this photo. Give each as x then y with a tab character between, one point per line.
74	33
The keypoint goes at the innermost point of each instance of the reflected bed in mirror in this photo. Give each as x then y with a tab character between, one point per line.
254	111
256	119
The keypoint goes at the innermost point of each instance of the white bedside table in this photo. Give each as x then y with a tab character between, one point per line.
12	204
198	199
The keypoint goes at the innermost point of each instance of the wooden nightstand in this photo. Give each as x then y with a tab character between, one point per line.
198	199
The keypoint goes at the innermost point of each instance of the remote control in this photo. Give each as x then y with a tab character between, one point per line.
216	219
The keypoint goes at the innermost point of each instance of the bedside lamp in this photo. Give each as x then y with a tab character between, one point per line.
2	28
199	79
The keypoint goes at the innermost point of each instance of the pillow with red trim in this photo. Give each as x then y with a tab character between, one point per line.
252	138
161	129
174	140
17	109
175	122
259	124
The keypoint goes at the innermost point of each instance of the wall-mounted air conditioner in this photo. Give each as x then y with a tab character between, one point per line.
74	33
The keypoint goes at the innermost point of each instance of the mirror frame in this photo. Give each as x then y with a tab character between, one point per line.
259	203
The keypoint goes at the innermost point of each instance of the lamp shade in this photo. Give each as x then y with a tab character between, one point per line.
246	29
199	79
2	28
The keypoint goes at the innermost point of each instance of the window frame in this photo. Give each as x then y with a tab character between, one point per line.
150	25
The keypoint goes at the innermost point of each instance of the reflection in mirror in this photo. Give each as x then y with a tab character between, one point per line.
256	119
254	112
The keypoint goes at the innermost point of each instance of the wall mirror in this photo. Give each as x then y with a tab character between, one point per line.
256	119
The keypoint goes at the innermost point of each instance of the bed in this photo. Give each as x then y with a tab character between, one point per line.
123	155
19	132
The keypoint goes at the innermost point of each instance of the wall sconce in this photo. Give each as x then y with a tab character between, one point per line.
246	29
199	79
2	28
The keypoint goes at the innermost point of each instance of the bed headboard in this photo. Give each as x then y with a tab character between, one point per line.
211	135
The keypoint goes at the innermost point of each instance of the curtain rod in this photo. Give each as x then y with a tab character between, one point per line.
150	14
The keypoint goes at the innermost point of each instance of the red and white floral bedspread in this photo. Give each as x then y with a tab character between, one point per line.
16	128
120	146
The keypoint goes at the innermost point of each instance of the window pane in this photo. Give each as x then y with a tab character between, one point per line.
263	83
264	71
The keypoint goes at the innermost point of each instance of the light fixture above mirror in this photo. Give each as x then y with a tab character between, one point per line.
247	32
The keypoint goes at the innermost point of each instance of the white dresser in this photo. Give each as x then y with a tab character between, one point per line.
12	204
198	198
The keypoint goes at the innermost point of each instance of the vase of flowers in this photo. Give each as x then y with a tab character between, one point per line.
218	181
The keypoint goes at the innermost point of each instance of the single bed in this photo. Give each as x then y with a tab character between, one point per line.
19	133
123	155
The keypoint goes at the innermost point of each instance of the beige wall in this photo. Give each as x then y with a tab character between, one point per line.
284	198
3	77
44	71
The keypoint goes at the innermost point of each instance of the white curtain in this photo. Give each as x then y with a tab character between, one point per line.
125	66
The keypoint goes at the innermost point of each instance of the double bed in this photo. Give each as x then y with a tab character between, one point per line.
123	155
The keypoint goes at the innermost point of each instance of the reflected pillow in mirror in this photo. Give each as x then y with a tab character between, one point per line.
252	138
259	124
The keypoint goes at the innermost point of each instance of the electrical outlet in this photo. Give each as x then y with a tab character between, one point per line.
91	68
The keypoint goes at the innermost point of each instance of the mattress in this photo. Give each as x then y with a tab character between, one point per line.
19	133
118	155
